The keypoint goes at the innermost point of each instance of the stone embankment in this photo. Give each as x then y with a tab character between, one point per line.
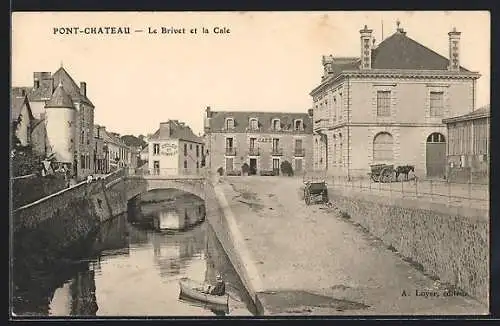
298	259
56	222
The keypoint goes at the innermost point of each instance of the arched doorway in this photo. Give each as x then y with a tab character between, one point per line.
435	155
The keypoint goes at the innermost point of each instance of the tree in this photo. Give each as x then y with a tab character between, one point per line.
133	141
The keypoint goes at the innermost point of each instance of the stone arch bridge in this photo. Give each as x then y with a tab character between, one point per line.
194	184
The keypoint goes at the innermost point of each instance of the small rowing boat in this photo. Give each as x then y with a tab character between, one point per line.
194	290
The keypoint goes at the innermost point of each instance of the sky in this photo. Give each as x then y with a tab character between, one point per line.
269	61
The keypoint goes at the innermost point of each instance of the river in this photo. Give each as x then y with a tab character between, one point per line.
132	270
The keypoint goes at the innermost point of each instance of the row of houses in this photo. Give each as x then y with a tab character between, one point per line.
56	118
398	103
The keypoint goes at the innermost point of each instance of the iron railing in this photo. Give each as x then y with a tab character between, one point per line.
467	194
254	151
167	172
231	151
277	151
299	152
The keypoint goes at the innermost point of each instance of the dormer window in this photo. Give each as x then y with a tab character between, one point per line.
298	125
276	124
254	124
229	123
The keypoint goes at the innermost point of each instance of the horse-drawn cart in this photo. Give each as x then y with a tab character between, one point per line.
382	172
315	189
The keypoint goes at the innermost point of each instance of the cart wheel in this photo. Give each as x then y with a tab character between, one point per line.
307	198
325	197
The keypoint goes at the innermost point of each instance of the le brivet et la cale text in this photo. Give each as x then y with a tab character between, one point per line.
105	30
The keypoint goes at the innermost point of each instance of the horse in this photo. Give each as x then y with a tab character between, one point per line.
405	169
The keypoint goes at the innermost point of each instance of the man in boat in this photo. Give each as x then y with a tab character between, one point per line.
219	288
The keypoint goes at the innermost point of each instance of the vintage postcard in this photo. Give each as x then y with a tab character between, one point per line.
250	163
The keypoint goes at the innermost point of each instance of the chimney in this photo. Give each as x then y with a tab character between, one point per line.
366	48
43	79
327	61
454	45
207	110
83	88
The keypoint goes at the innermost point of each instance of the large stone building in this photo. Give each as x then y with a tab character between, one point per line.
68	119
174	149
263	140
469	146
387	105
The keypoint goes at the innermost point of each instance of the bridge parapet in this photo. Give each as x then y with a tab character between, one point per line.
164	179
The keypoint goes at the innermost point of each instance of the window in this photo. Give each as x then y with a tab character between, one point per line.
185	149
383	103
185	164
82	161
254	124
382	147
276	144
156	149
197	151
436	104
229	143
276	124
229	123
190	147
340	148
252	143
435	137
298	125
197	164
82	137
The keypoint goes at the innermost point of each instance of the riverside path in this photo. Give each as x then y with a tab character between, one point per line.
311	261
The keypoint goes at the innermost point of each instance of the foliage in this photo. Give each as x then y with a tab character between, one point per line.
267	173
133	141
245	168
220	171
24	161
286	168
233	173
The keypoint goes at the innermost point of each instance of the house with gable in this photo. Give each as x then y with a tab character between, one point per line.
387	105
68	118
175	150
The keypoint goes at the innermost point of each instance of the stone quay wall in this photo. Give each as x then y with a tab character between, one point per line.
218	216
58	221
450	243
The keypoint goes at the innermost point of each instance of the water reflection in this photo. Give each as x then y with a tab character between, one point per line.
132	270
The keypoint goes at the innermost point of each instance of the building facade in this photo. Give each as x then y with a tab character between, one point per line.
387	106
68	117
21	117
117	153
175	150
468	150
263	140
101	159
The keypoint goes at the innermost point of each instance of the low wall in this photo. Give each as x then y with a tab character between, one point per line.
217	212
451	243
31	188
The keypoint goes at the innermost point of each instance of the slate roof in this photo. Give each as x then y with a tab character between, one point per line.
398	51
176	130
16	105
60	99
483	112
242	121
110	138
61	75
